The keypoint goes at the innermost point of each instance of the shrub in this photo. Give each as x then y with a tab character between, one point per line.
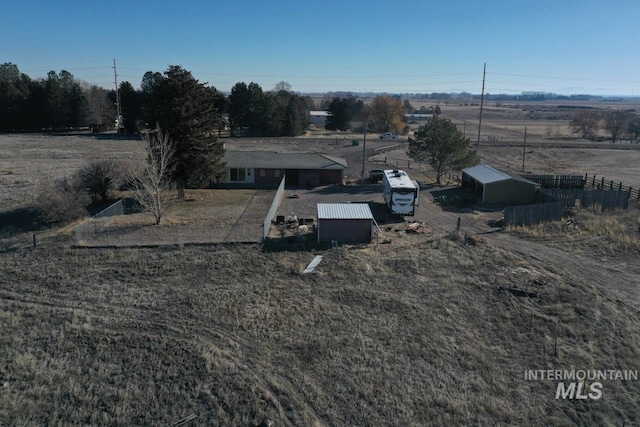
100	178
61	201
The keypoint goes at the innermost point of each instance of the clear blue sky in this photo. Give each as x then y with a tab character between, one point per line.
561	46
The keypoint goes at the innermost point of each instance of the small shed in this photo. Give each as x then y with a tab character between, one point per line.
345	222
493	186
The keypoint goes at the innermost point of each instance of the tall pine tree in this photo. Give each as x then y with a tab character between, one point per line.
183	107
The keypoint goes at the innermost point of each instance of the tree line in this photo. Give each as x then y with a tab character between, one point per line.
616	122
61	102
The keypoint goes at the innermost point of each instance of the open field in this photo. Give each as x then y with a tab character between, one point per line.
237	336
421	330
505	120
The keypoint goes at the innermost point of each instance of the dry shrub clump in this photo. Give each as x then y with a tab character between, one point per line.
60	201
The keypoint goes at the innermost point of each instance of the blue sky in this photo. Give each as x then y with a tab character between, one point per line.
561	46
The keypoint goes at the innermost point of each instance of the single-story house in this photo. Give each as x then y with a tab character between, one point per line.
345	223
268	168
318	118
493	186
417	117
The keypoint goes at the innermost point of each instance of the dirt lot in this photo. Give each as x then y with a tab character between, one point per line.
204	216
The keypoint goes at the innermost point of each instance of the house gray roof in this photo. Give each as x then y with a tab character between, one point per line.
344	211
276	160
485	174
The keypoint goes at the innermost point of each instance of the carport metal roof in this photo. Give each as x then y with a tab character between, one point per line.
344	211
485	174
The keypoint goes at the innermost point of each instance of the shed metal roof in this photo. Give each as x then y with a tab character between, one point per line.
344	211
276	160
485	174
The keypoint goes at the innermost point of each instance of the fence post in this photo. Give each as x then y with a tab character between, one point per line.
620	187
593	184
601	184
611	185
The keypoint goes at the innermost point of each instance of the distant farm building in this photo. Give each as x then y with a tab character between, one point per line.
318	118
345	222
496	187
268	168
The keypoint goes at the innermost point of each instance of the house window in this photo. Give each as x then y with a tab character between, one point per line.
262	173
276	173
236	174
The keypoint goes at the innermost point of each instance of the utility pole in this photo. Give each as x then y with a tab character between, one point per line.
364	149
118	106
484	71
524	147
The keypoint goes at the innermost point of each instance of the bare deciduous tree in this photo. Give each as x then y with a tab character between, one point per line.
152	186
633	129
586	123
282	85
614	122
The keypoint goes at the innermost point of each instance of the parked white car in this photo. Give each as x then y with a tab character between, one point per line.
387	135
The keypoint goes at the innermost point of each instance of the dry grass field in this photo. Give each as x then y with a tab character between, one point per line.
415	332
424	330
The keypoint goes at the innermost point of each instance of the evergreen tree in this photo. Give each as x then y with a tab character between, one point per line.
181	106
131	101
239	108
339	115
443	146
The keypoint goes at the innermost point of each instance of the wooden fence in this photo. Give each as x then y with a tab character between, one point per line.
558	181
604	184
533	214
586	181
607	199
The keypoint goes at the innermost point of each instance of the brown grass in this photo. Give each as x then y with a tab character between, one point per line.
393	335
614	232
414	332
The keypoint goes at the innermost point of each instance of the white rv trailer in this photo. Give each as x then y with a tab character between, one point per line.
400	193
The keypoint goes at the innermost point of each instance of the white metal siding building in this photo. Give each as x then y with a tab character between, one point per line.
345	222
